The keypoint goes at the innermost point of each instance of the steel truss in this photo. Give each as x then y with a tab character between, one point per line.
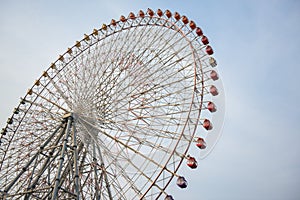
67	147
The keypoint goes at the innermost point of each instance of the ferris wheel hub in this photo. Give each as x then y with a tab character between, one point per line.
68	115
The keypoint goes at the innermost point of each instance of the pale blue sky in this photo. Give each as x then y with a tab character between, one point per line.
256	44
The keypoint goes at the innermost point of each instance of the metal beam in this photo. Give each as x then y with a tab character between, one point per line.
75	149
97	192
58	174
45	165
31	160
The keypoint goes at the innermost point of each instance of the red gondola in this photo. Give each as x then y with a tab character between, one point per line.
131	15
150	12
123	18
204	40
191	162
185	20
113	22
199	31
159	12
211	107
207	124
181	182
177	16
209	50
168	13
141	14
213	90
201	143
214	75
192	25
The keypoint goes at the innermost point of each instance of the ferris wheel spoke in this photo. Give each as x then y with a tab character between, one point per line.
157	147
107	76
86	176
157	36
103	170
122	45
160	117
21	140
144	176
86	89
157	86
160	89
156	133
95	163
175	42
61	93
43	116
130	182
53	101
97	192
42	108
154	107
114	175
164	65
132	179
124	63
123	144
172	35
153	100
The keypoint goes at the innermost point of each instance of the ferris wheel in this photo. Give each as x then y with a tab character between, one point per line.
116	115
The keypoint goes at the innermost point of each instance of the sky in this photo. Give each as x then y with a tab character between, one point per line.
256	44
